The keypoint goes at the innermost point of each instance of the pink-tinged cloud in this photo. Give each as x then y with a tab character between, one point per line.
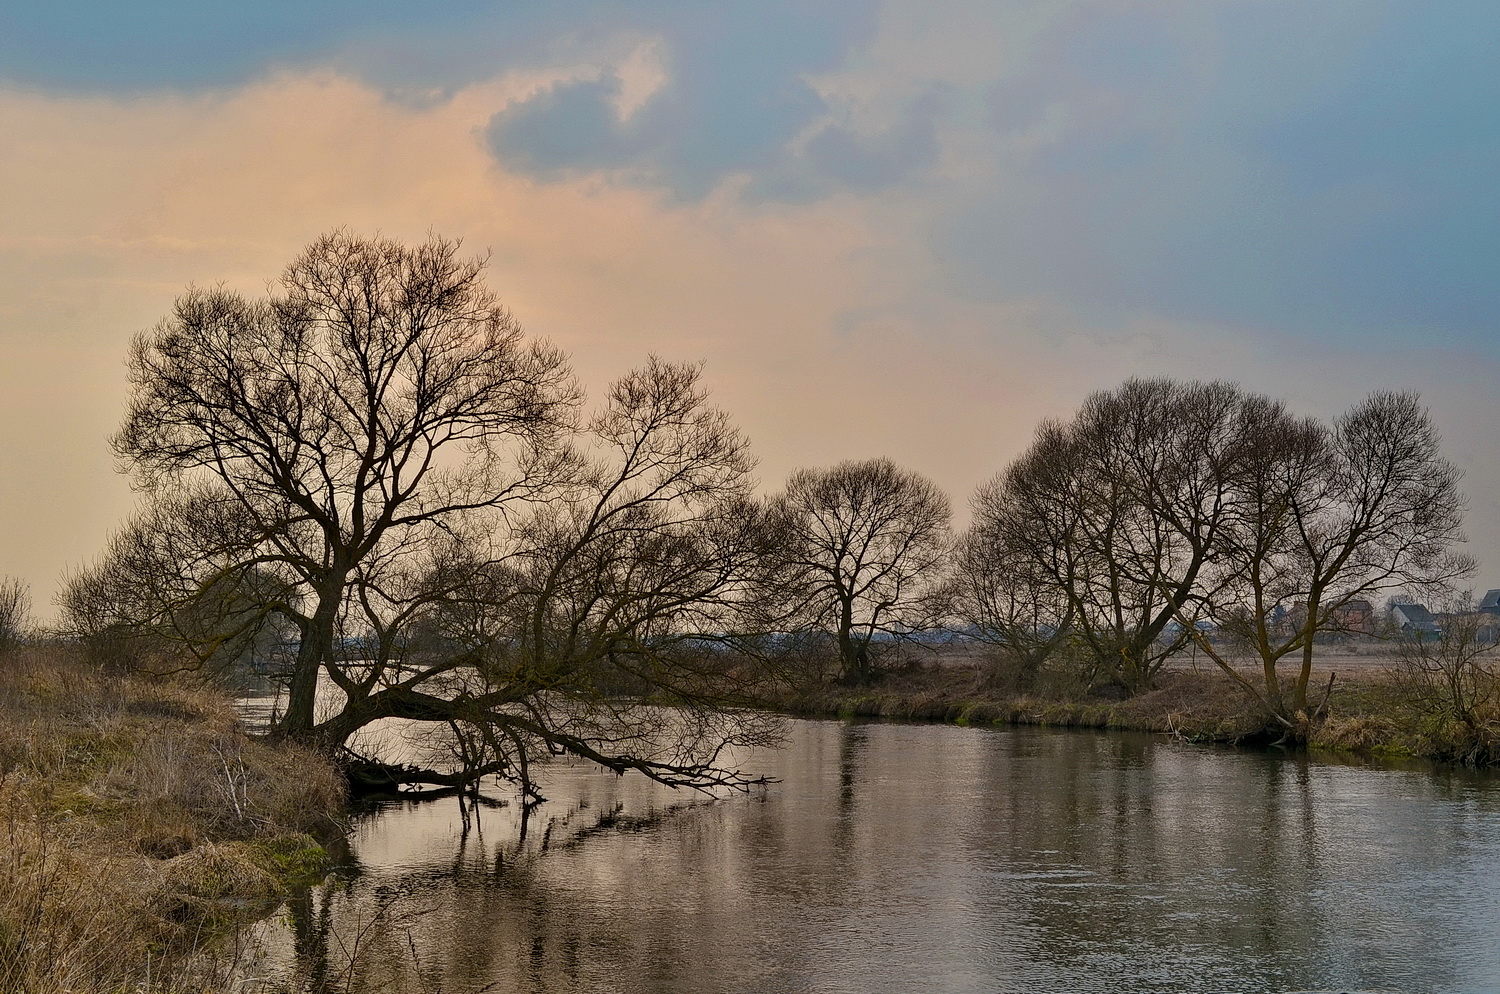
863	320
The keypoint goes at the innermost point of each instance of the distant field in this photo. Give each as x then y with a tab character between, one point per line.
1363	659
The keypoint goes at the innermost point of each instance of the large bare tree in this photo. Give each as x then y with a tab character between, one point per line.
375	454
1325	516
864	543
602	621
1120	510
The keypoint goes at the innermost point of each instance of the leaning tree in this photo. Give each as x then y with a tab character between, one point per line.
375	456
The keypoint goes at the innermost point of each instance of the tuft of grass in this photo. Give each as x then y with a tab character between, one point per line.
1362	733
294	859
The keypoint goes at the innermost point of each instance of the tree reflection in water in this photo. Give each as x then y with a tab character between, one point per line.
926	858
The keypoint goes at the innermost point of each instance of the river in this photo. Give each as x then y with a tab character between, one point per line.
911	858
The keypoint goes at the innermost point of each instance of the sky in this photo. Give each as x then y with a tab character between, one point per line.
890	228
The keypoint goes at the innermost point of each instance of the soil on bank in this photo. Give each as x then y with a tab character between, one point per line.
140	827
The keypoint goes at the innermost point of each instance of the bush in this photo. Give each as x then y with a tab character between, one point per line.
15	614
1450	679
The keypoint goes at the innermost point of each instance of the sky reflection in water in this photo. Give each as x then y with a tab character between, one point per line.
931	858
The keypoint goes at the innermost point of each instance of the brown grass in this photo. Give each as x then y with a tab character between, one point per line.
1368	712
138	824
1198	706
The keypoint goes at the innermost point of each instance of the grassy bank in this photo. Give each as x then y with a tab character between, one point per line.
1368	712
139	826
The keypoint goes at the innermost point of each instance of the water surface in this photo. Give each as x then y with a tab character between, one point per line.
911	858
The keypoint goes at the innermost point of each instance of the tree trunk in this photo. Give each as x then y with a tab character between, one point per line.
853	655
302	692
315	652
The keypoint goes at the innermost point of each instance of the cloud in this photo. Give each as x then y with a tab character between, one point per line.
734	94
1319	168
911	230
570	128
866	162
99	46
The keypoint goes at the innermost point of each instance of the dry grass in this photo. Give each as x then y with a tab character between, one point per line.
1369	711
138	824
1197	706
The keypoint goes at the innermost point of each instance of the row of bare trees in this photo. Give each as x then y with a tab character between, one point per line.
1163	510
1163	515
373	478
373	472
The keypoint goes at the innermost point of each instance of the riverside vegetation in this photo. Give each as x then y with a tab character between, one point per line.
1391	710
1430	695
140	827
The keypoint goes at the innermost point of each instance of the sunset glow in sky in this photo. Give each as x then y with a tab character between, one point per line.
890	228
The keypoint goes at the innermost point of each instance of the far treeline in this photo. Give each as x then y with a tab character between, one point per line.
371	478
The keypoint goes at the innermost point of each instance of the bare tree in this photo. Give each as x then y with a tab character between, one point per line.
600	622
1327	516
1121	509
864	542
1006	578
15	613
383	393
375	452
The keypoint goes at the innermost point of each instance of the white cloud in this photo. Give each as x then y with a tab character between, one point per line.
642	75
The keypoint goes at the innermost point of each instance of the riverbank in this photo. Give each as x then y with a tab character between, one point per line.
1368	712
140	827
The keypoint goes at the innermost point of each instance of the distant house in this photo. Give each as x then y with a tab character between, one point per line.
1487	618
1355	616
1414	618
